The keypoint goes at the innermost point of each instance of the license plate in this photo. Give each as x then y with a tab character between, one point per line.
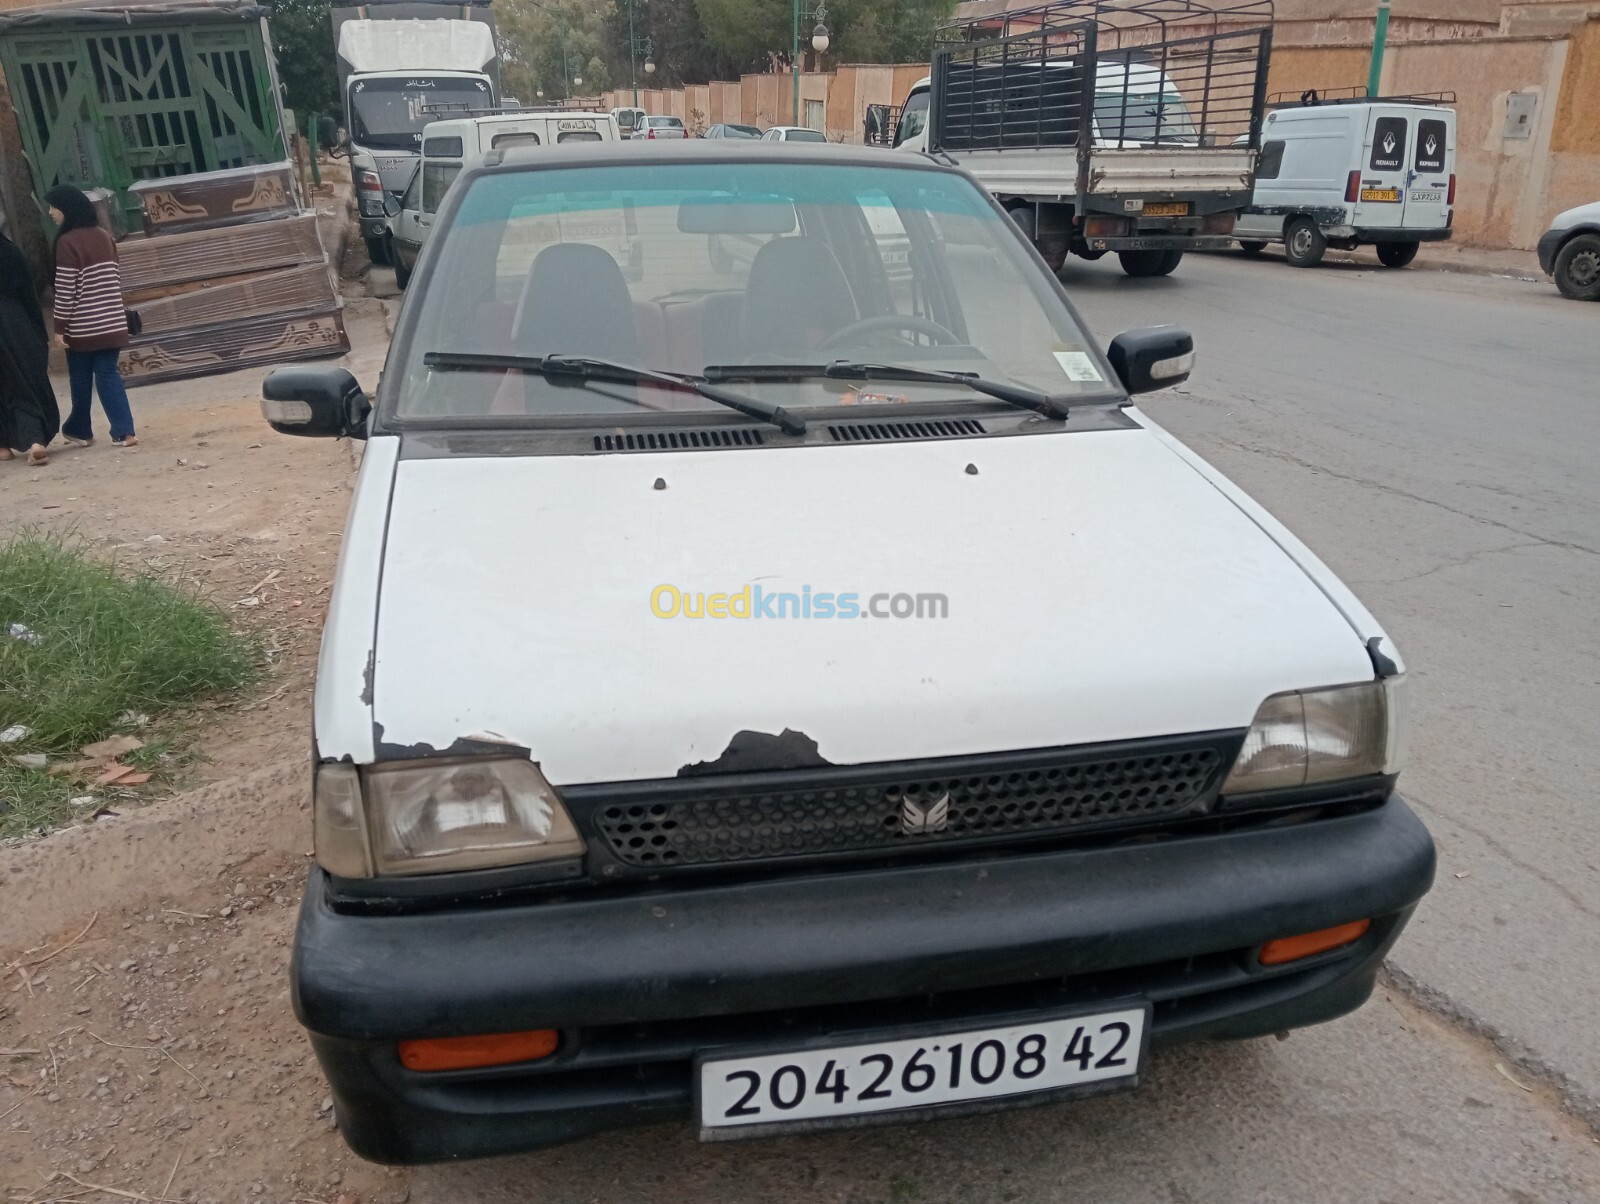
1428	198
1167	209
818	1085
1380	194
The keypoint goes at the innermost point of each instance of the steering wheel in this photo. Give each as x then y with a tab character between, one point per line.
906	322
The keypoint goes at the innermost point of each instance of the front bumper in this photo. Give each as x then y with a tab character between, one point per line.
1549	248
641	983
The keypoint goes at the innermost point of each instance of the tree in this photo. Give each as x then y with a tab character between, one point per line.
302	42
757	32
544	44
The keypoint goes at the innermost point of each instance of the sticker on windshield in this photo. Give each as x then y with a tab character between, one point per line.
1078	366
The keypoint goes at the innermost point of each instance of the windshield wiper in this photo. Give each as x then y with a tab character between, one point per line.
577	369
1017	395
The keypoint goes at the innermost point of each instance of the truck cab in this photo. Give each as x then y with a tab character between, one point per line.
397	75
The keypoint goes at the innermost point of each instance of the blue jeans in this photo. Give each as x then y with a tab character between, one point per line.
89	370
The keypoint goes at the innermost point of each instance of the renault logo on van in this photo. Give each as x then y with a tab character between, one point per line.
1389	144
917	819
1433	145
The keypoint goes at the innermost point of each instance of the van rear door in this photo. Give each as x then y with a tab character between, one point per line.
1385	166
1432	165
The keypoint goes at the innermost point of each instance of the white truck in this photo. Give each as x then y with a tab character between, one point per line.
401	65
1104	125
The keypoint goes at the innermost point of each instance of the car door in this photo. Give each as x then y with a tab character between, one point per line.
1386	162
406	230
1433	164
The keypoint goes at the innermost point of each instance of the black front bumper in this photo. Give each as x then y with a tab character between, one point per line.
641	983
1549	248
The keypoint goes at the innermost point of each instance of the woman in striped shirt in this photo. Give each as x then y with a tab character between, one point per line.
91	318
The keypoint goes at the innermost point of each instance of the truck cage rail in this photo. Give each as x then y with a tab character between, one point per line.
1167	73
1313	97
879	125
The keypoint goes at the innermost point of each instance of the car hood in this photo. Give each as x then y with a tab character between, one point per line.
1099	587
1576	217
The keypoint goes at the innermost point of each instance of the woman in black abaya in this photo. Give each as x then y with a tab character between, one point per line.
29	418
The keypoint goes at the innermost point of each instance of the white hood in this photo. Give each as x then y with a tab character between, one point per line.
1099	588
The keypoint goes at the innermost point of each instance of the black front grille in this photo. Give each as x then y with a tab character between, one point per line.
898	808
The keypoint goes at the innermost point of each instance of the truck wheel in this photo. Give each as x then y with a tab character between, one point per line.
378	251
1578	268
1303	244
1150	263
1397	254
1252	247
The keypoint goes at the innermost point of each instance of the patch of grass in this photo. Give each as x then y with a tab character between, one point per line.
31	800
102	643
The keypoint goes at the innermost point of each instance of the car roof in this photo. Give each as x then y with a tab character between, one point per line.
625	153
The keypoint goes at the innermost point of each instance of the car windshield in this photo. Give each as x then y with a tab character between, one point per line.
681	267
389	114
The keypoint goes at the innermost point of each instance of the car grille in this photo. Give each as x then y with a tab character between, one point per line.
905	807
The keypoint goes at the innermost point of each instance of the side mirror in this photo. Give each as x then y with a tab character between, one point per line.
391	205
1152	357
317	402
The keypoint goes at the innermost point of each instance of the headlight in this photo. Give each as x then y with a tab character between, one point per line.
428	817
1306	737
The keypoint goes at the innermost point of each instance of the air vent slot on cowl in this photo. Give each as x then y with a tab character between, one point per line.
889	432
691	440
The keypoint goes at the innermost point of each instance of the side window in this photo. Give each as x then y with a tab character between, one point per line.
436	180
1389	144
520	138
413	196
1432	142
441	147
1271	161
579	136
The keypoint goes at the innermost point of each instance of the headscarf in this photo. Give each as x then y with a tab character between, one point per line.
77	210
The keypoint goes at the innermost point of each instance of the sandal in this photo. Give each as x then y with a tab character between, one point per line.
130	441
37	456
74	441
7	454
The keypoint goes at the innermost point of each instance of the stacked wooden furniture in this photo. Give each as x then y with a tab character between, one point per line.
230	274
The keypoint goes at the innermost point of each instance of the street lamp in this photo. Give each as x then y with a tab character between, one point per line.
819	43
636	46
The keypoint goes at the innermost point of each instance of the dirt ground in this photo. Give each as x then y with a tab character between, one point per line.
156	1054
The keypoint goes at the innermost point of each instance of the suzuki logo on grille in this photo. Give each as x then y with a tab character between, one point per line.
917	819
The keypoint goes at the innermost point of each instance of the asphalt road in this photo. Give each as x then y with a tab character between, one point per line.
1432	437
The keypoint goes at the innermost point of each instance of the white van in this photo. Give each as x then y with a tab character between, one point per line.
447	146
1344	173
628	119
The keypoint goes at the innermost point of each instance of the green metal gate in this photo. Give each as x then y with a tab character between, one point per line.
101	108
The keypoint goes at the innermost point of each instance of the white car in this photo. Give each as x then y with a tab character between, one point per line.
1570	252
768	698
793	133
653	128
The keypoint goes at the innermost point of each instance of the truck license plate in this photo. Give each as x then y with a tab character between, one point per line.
1167	209
1380	194
888	1076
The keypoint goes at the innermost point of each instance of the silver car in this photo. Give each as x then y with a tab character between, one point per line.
1570	252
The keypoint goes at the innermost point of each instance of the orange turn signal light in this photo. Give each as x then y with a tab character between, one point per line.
1293	948
490	1049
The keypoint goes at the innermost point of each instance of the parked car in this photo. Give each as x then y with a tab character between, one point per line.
1351	173
1570	252
793	133
681	752
729	130
448	146
628	119
653	128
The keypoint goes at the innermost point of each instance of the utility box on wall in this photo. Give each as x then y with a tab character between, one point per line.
1521	110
